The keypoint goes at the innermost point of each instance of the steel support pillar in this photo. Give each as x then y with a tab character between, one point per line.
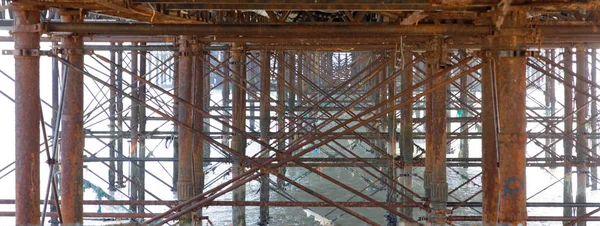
406	130
186	68
112	126
265	122
134	124
581	102
142	130
120	135
238	143
281	112
199	91
489	155
27	117
510	80
439	186
550	99
225	92
594	120
465	100
175	115
72	135
568	141
392	196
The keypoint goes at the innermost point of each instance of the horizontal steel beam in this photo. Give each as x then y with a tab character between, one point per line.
266	30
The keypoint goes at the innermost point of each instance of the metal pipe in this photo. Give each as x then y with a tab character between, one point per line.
27	118
489	161
568	128
511	85
134	124
439	186
581	138
184	182
238	142
199	91
72	134
265	122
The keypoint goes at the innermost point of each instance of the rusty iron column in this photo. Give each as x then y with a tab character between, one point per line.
265	122
27	116
72	135
225	92
511	81
112	109
568	141
119	99
291	62
281	112
175	115
465	100
581	102
428	173
184	182
134	132
238	143
594	120
406	142
206	105
142	130
392	195
489	149
439	186
199	92
550	100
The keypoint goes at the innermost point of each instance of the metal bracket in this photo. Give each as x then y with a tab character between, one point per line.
24	52
28	28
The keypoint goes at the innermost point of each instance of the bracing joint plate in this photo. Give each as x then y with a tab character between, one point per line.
23	52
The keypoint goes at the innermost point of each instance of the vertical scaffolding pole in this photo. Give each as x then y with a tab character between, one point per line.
27	118
568	140
550	99
265	122
406	130
206	105
198	143
439	186
176	115
119	80
581	102
238	143
225	93
112	109
72	136
392	196
184	182
55	90
464	99
281	112
142	130
510	77
291	62
134	133
594	120
489	162
428	173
